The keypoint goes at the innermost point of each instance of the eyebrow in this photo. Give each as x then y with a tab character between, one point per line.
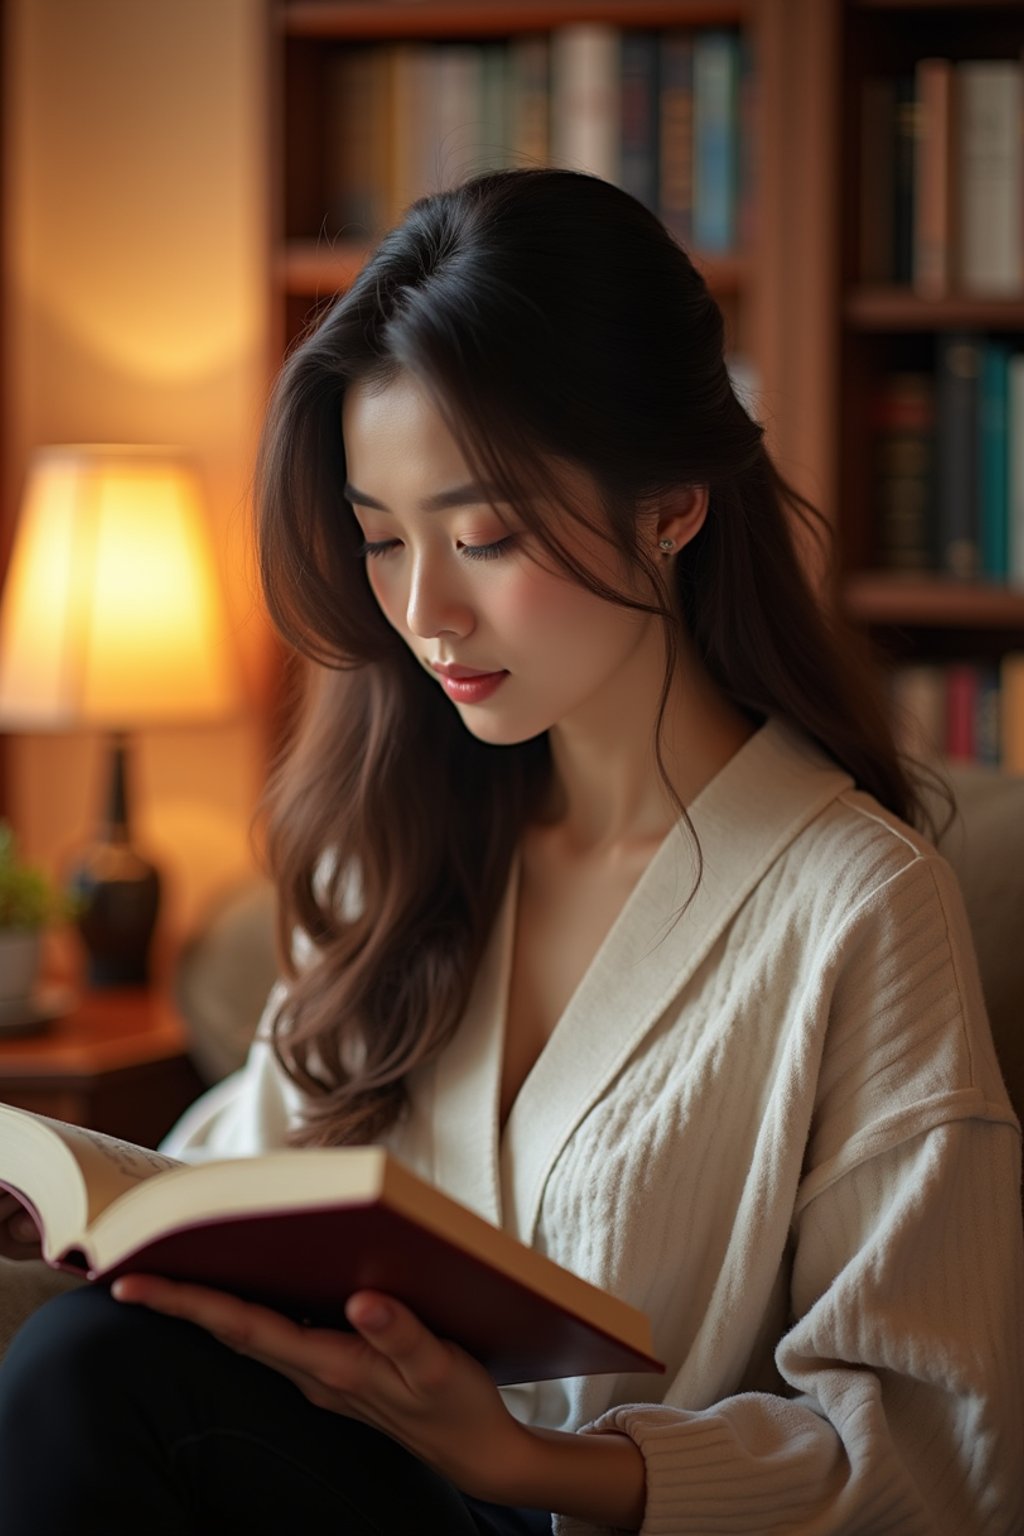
459	496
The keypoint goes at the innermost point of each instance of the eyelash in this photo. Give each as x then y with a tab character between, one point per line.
493	551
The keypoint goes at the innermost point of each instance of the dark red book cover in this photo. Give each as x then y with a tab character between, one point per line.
306	1263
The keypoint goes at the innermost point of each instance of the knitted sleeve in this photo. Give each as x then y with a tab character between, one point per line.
903	1359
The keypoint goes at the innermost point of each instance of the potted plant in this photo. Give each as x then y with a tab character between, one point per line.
27	903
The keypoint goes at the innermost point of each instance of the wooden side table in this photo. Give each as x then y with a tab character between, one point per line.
117	1063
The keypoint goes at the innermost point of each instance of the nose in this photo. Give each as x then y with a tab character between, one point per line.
436	604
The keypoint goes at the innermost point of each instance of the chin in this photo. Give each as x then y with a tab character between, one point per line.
496	731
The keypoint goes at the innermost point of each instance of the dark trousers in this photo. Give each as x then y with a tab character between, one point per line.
117	1421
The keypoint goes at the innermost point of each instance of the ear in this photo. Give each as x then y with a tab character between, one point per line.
679	518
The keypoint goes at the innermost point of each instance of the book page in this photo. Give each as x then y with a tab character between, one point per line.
109	1166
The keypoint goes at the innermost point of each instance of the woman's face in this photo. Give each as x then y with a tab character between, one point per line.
519	648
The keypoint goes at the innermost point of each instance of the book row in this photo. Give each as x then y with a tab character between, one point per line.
666	115
942	178
966	711
948	462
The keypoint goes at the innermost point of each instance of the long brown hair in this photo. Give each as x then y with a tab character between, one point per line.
552	319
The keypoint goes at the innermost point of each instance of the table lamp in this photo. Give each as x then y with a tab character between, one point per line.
112	619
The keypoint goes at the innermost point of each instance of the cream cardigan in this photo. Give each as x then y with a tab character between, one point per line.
777	1125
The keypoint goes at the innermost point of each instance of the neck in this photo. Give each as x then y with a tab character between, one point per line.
607	791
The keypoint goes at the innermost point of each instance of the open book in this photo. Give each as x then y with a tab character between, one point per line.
300	1231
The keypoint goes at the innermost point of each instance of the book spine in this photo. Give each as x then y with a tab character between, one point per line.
404	69
715	130
638	149
959	365
903	417
675	157
746	174
933	179
1015	433
904	152
994	460
991	177
585	98
961	712
352	191
918	695
453	116
383	150
529	64
877	197
1011	714
987	747
426	156
494	115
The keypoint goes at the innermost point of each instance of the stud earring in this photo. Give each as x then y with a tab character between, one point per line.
667	545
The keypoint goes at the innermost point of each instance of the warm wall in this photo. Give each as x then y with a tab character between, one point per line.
136	311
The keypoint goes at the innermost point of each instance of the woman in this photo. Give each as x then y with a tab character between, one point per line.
612	923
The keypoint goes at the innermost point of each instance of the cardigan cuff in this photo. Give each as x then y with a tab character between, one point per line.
703	1472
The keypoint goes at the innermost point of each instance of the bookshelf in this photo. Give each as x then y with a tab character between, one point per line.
318	246
818	331
925	514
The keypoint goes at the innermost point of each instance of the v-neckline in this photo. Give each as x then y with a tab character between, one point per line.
744	817
509	939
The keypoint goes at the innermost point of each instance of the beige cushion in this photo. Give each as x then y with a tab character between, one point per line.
224	976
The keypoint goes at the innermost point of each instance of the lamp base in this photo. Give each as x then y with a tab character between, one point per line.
117	893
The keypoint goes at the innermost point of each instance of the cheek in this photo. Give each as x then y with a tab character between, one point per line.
385	589
545	609
537	599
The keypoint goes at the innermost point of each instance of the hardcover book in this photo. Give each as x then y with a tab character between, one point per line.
301	1230
903	421
991	177
933	181
716	65
958	372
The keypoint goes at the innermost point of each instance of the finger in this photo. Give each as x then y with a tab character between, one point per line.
243	1324
259	1332
421	1359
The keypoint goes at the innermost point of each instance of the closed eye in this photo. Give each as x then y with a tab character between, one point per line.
489	551
372	549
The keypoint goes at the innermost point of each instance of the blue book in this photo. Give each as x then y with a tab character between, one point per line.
987	735
994	459
716	73
638	69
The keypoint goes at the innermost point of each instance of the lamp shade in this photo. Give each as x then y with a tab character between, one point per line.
111	614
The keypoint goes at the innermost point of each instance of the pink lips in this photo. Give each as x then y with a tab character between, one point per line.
466	685
449	669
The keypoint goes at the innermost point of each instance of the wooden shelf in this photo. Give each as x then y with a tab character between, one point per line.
354	19
313	268
937	602
898	309
936	5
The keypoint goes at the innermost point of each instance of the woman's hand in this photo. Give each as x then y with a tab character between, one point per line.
432	1397
392	1374
19	1235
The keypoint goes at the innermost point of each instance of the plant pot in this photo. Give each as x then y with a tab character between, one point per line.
20	953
